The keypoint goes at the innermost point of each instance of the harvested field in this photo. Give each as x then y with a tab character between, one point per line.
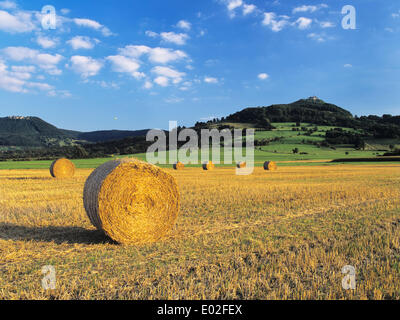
284	235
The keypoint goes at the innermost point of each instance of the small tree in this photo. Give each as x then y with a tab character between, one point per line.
296	150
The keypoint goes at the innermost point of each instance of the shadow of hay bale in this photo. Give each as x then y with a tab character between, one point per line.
58	235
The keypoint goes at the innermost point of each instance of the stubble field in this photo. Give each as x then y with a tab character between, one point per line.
271	235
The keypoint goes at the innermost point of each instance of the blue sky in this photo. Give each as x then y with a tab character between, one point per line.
139	64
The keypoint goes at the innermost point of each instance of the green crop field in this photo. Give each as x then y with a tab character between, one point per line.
280	150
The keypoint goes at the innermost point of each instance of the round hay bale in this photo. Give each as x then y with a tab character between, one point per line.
62	168
133	202
270	166
241	165
178	166
209	165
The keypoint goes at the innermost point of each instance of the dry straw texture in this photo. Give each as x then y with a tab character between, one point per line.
178	166
208	166
241	165
62	168
133	202
270	166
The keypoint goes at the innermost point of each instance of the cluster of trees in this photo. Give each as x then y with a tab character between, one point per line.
340	136
266	142
96	150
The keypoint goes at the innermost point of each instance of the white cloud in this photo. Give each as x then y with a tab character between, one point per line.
151	34
65	11
45	42
45	61
8	82
248	8
233	4
81	42
305	9
317	37
29	69
147	85
16	80
8	4
174	100
85	66
263	76
88	23
185	25
327	24
396	15
162	81
40	86
311	8
20	22
123	64
22	72
169	73
271	20
303	23
210	80
177	38
134	51
348	65
155	55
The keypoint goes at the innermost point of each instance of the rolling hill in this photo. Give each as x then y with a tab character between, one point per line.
35	132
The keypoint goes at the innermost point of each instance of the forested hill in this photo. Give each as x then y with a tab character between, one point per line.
311	110
35	132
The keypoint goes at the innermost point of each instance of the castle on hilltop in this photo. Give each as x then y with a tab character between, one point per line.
17	117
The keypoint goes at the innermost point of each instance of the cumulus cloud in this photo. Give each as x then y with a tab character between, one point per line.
8	4
88	23
45	61
327	24
81	42
317	37
155	55
19	22
233	4
248	8
123	64
310	8
147	85
45	42
85	66
176	38
210	80
303	23
162	81
274	22
65	11
348	65
15	80
185	25
263	76
151	34
169	73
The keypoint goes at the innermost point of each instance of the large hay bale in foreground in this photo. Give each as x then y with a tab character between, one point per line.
62	168
179	166
209	165
133	202
241	165
270	166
